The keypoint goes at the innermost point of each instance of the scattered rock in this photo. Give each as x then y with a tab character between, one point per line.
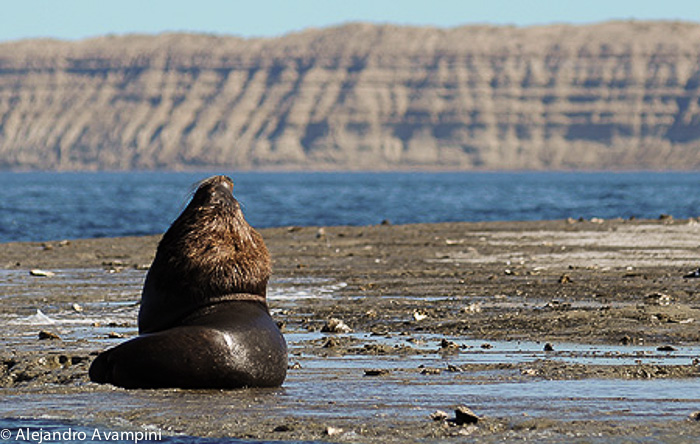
465	416
695	416
333	431
438	415
41	273
448	345
453	368
548	347
385	222
486	346
666	348
77	308
472	308
657	299
419	315
321	233
283	428
565	279
43	334
625	340
335	325
331	343
693	274
295	366
430	371
114	335
377	372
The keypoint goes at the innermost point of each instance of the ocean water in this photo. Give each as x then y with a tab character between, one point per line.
42	206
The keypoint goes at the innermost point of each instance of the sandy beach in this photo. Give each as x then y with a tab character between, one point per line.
437	316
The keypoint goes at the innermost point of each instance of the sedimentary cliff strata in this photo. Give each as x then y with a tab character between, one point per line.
621	95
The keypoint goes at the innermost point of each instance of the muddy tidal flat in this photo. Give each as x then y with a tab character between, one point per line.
554	331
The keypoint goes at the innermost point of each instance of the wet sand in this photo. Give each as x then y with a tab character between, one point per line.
441	315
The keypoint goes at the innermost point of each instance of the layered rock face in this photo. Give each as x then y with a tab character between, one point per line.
619	95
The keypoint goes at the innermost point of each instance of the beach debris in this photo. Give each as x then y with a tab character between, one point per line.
548	347
335	325
44	334
695	416
377	372
77	308
666	348
419	315
41	273
693	274
333	431
438	415
464	416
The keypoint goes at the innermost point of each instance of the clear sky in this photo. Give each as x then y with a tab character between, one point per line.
76	19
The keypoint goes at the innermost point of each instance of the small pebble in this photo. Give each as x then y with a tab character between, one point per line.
41	273
335	325
464	415
377	372
419	316
438	415
282	428
48	335
333	431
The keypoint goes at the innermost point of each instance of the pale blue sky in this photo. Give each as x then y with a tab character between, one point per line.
75	19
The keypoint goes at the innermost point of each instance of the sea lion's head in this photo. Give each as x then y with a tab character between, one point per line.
208	255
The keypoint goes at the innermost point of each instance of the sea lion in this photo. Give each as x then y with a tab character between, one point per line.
203	320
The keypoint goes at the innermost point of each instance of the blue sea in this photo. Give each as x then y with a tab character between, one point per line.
40	206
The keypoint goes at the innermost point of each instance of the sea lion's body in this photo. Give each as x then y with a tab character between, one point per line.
203	321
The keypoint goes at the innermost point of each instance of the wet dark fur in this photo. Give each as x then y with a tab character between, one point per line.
203	321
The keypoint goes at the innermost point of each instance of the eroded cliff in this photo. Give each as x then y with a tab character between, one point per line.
621	95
